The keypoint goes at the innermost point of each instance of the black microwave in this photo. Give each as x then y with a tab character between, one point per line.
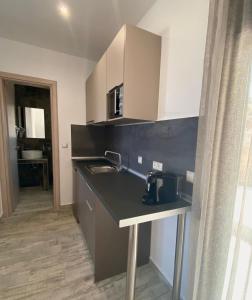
115	102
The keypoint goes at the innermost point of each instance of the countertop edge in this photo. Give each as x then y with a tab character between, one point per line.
154	216
86	157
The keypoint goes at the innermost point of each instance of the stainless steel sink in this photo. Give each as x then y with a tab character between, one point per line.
94	169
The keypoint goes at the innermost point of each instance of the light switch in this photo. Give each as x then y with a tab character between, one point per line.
140	159
64	146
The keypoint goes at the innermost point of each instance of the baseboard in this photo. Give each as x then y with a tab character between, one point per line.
162	276
68	205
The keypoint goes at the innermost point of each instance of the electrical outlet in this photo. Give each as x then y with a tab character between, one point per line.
157	166
140	159
189	176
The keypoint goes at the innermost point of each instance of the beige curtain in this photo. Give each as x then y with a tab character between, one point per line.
221	227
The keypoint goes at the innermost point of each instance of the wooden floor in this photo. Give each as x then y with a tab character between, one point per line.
33	200
43	256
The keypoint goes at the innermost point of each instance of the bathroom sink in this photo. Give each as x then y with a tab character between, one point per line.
96	169
32	154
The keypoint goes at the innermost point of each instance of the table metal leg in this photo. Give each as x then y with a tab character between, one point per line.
132	262
178	257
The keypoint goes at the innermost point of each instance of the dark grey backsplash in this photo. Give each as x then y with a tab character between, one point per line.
88	140
172	142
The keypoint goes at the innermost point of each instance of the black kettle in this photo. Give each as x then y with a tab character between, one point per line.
162	188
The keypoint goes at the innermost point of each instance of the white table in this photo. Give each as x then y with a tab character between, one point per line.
40	161
133	224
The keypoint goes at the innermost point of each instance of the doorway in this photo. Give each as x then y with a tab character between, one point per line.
29	151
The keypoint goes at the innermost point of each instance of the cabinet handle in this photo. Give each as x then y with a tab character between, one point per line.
89	187
115	110
89	206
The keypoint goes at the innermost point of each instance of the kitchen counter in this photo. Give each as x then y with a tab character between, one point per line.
121	194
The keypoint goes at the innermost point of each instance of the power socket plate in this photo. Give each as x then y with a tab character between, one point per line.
189	176
157	166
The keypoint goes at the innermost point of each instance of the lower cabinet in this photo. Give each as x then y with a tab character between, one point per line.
107	243
86	214
75	191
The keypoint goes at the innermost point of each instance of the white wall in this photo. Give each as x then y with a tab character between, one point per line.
183	26
70	73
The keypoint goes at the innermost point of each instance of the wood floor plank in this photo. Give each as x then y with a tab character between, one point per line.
43	256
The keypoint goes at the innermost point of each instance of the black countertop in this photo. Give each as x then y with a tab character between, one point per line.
121	194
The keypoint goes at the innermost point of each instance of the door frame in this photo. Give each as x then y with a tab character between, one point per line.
5	173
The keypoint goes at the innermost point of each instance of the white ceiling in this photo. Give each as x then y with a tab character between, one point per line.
87	33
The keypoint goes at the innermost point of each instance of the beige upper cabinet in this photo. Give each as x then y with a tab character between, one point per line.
96	93
132	60
100	82
115	60
142	54
90	115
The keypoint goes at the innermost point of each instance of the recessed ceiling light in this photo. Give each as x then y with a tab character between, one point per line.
64	10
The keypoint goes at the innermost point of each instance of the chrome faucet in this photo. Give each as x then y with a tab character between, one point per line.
115	158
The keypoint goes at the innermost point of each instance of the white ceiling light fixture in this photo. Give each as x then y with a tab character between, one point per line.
64	10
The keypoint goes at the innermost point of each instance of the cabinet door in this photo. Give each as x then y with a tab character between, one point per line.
111	245
99	86
141	74
90	108
75	194
115	60
86	213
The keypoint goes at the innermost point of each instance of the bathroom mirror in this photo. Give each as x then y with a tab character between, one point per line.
34	123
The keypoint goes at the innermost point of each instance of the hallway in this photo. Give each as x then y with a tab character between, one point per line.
33	199
43	256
